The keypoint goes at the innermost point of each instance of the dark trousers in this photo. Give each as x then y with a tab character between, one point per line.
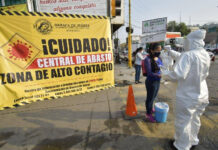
152	88
137	72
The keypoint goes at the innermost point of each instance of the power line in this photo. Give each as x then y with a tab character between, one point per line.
139	5
127	24
136	9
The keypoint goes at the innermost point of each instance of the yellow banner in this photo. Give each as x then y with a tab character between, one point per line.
45	56
20	7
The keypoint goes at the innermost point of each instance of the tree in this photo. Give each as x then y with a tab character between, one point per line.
171	26
116	43
181	27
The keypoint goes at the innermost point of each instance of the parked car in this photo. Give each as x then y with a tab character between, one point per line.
212	49
124	55
215	51
212	56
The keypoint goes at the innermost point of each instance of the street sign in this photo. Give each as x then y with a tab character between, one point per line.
154	25
87	7
151	38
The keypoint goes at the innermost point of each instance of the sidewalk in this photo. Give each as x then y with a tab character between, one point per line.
95	121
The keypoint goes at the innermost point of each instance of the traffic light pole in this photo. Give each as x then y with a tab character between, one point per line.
130	38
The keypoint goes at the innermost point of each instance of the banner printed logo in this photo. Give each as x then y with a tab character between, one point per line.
43	26
19	51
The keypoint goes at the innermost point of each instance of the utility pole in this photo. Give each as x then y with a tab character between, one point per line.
129	38
190	21
30	5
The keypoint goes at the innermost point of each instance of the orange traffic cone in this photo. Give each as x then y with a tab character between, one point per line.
131	109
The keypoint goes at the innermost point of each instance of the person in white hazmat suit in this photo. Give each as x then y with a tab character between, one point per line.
166	58
191	70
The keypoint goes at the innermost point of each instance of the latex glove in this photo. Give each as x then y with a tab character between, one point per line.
169	75
163	68
165	72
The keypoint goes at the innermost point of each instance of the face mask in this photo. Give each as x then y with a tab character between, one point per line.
157	54
186	45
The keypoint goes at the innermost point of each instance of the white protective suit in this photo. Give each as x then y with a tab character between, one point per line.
191	70
166	58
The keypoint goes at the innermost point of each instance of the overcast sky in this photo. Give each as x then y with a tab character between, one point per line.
191	12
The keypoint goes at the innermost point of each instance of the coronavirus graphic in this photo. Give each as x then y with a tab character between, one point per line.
20	51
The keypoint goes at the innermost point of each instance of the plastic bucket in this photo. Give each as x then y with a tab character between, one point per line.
161	112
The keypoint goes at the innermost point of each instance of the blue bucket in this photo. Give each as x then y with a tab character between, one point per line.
161	112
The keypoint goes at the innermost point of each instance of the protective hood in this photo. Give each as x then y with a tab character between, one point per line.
196	39
167	47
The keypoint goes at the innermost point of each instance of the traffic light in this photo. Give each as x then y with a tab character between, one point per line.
127	30
115	8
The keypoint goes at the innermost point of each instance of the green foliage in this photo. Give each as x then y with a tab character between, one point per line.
210	27
175	27
171	26
183	29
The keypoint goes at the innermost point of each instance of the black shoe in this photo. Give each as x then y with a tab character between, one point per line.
136	82
171	145
139	82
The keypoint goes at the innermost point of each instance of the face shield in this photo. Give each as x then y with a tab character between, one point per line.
186	45
167	48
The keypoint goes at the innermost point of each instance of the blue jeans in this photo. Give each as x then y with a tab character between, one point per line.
152	87
137	72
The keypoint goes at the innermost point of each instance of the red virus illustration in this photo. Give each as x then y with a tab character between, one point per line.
20	51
